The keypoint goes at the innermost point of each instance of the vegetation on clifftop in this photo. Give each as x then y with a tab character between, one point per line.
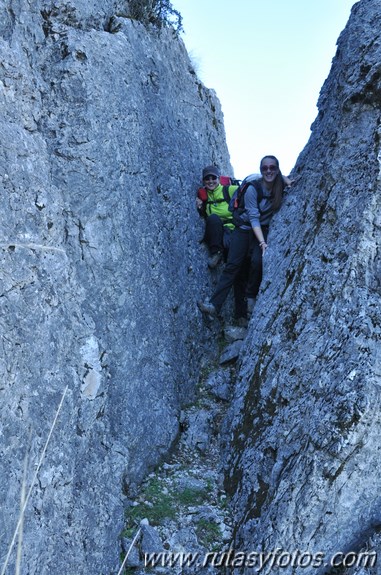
157	12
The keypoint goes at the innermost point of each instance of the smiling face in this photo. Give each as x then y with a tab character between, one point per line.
269	170
210	182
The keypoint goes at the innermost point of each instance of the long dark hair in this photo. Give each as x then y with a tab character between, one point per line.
278	185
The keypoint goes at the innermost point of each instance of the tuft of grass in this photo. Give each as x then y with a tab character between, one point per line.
129	532
208	532
191	497
158	503
26	496
155	511
122	567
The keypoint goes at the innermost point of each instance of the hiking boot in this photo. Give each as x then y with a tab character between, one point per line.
207	307
214	260
242	322
250	305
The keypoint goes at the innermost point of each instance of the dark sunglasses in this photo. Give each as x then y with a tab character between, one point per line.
269	168
214	178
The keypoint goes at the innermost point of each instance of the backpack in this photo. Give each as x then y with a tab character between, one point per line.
228	181
237	202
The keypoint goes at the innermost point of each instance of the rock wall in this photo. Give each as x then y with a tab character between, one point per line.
104	130
304	450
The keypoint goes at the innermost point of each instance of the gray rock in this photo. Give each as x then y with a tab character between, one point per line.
219	383
104	127
191	483
205	512
133	559
184	540
233	333
197	429
102	136
231	352
151	541
305	419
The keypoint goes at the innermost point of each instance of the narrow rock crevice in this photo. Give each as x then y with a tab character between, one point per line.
182	512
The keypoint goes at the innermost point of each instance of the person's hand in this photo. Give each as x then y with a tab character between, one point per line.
263	247
290	181
199	203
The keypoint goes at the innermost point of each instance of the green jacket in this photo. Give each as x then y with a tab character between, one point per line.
216	204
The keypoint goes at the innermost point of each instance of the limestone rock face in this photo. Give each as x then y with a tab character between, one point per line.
104	130
304	450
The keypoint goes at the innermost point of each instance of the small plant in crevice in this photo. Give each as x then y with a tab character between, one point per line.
208	532
191	497
158	503
157	12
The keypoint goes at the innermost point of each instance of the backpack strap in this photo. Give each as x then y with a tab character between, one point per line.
256	184
259	190
226	198
237	199
225	191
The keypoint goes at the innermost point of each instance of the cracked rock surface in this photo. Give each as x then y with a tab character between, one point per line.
181	517
302	465
104	131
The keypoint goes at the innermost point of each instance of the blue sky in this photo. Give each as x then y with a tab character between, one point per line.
267	62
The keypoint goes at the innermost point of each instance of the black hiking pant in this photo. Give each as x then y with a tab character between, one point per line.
218	239
243	245
217	236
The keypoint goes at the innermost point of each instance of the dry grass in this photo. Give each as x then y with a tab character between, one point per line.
25	499
129	551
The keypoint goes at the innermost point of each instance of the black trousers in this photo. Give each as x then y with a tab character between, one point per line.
218	239
243	245
216	234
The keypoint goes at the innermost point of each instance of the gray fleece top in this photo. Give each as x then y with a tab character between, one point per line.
252	214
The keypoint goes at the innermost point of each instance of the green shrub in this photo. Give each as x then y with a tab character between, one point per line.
208	532
157	12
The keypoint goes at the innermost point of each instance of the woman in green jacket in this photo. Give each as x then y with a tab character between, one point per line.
213	203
